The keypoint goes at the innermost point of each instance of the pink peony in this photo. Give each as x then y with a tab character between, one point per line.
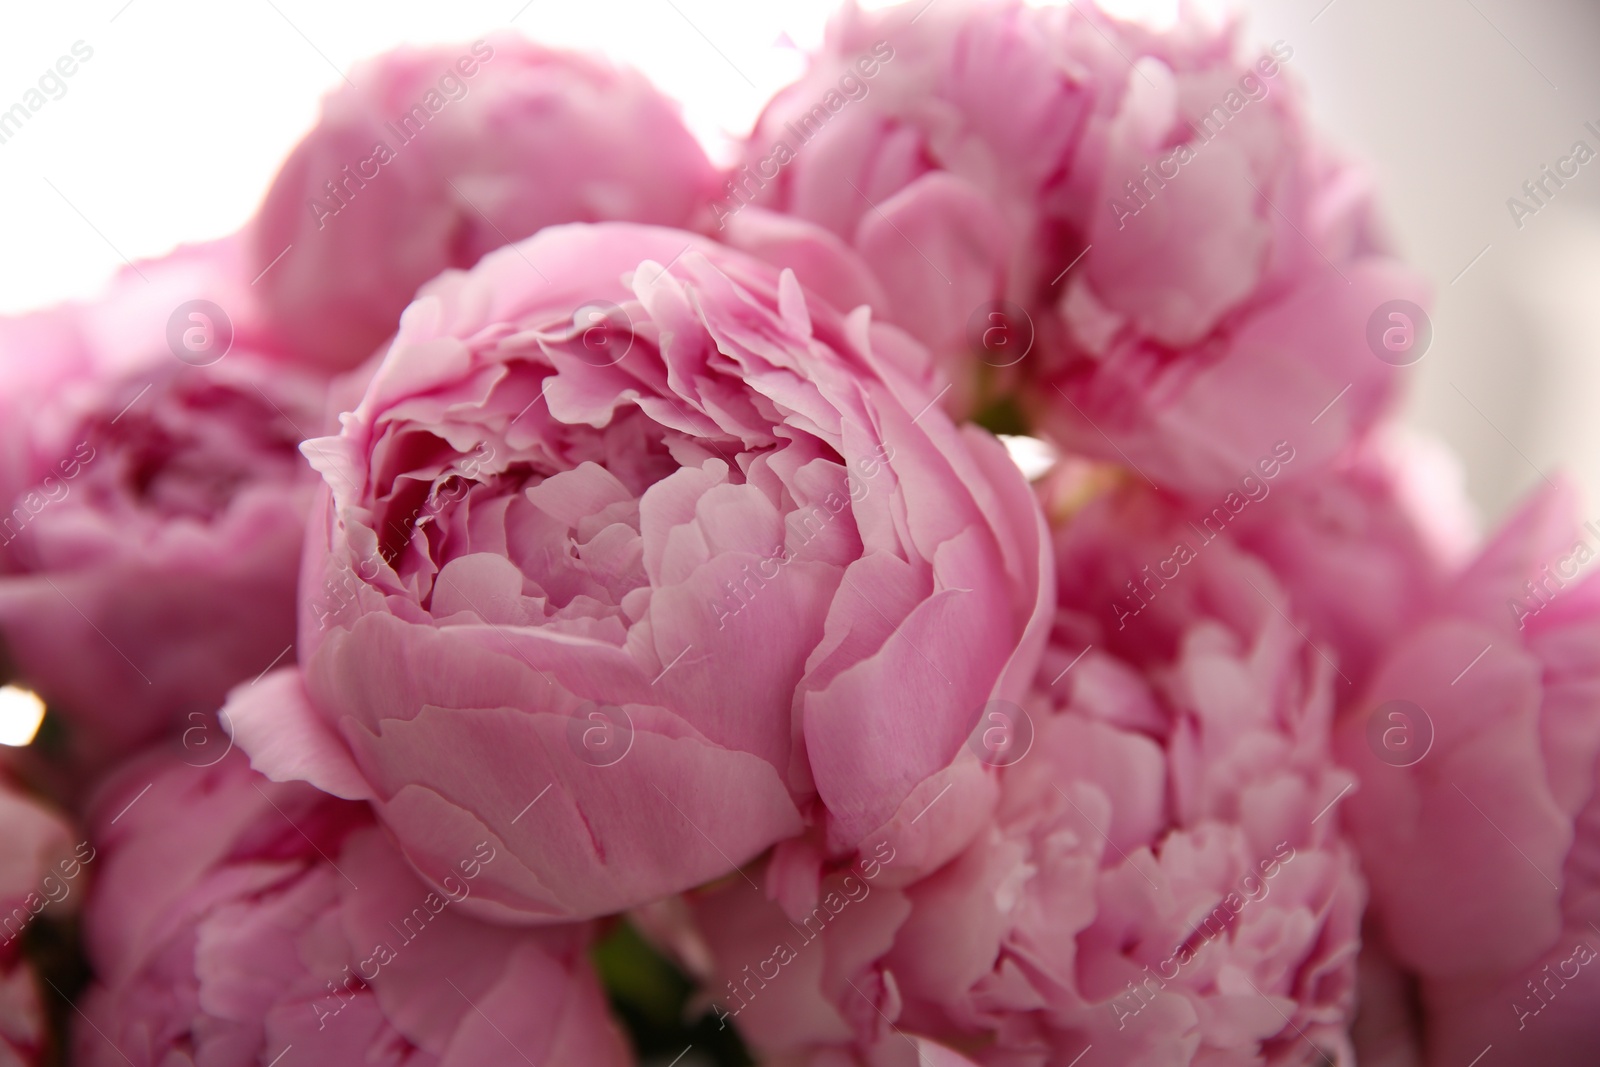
44	351
627	518
153	506
1363	549
235	918
37	867
971	152
444	154
1158	880
1478	750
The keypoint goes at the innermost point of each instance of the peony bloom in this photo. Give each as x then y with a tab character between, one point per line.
1158	881
1477	746
152	506
44	352
235	918
1362	550
628	519
1135	227
38	867
436	156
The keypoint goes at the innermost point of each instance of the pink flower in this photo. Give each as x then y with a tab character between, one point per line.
444	154
1130	234
628	519
122	329
1364	549
1157	880
234	918
36	854
1477	748
925	141
152	507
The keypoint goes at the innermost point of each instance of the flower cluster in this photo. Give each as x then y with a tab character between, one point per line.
530	576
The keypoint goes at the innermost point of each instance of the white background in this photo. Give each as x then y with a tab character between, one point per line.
175	127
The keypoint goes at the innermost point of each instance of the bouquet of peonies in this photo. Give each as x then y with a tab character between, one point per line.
535	597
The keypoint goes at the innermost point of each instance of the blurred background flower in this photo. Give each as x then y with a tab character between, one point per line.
1454	106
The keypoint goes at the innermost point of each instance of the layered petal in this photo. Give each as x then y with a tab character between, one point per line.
236	918
444	154
1154	877
154	501
637	560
